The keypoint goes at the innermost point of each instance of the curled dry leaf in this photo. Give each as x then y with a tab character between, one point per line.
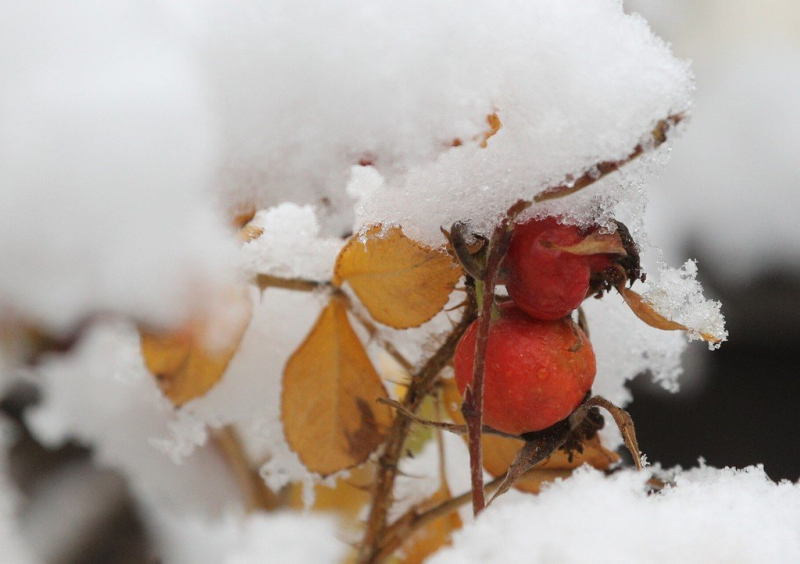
401	282
329	407
595	243
189	361
646	313
500	452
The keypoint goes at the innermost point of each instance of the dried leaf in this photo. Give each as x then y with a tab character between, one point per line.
330	389
401	282
190	361
646	313
595	243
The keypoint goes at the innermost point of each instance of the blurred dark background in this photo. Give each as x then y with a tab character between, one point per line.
738	405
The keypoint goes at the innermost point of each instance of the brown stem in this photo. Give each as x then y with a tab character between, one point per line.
255	493
375	334
472	408
421	385
406	525
657	137
265	281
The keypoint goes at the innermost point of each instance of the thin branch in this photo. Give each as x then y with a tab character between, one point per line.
449	427
375	334
421	385
657	137
265	281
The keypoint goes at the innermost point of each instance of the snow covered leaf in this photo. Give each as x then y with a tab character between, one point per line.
401	282
329	407
190	361
646	313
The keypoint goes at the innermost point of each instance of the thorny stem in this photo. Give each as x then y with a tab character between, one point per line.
421	385
472	408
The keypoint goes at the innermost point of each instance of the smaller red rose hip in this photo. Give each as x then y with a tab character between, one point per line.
543	280
537	372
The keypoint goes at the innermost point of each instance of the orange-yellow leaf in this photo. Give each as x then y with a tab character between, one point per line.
595	243
347	498
401	282
499	452
329	407
188	362
646	313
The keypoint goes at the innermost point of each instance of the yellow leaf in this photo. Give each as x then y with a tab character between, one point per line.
646	313
188	362
329	407
499	452
401	282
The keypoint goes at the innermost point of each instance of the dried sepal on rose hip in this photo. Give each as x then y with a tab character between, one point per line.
537	371
550	267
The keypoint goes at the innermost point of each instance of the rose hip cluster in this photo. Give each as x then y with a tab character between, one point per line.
539	363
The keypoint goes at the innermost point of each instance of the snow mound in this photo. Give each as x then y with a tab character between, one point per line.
710	515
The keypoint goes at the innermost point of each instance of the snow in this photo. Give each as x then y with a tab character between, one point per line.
239	539
709	515
126	149
107	149
290	246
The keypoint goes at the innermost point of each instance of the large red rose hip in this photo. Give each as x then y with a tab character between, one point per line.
537	372
544	281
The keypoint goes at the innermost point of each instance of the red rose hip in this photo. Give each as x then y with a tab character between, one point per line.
537	372
544	281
